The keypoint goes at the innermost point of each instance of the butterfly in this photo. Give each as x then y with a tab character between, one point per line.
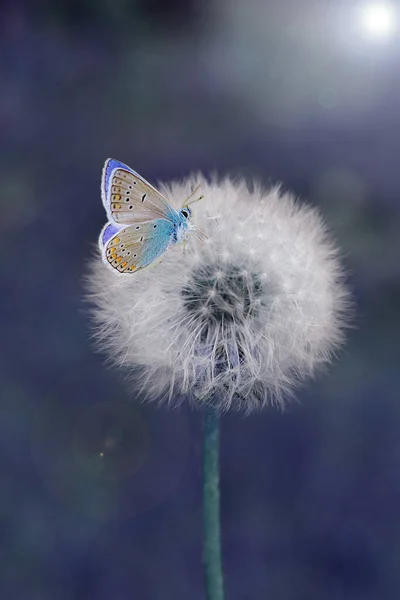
142	223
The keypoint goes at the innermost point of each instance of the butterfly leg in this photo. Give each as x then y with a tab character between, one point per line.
200	234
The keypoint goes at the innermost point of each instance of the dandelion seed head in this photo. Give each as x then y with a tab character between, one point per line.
237	320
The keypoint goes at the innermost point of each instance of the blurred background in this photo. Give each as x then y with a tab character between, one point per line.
100	496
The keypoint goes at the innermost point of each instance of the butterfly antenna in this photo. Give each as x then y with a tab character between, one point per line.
186	203
193	201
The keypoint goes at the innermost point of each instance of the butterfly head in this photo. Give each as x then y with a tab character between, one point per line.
186	212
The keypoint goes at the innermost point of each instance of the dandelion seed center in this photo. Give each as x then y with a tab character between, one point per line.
223	294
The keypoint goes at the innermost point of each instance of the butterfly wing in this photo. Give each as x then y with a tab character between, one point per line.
108	231
135	247
128	198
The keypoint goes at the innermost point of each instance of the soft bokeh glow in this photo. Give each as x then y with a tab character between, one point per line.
378	19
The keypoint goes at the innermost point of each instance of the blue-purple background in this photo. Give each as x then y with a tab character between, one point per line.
100	497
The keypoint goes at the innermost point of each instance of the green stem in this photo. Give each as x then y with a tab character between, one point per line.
212	535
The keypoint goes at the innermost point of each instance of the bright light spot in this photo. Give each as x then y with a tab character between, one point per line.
378	19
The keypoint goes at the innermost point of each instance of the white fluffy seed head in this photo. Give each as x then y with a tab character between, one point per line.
236	320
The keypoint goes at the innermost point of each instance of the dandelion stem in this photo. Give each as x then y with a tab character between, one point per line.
212	536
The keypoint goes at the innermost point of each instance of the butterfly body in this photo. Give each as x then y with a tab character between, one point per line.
142	223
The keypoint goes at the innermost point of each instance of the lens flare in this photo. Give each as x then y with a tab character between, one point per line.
378	19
